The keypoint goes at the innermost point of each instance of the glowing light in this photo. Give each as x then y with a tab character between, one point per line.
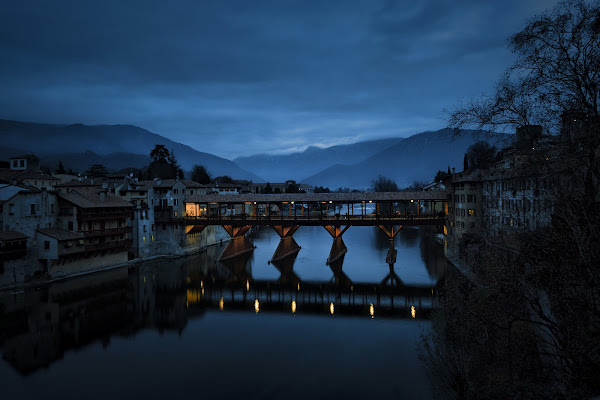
413	311
331	308
247	285
370	201
256	306
293	306
201	284
221	304
298	286
292	202
412	201
371	310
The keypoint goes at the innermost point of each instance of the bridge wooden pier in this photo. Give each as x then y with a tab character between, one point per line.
336	212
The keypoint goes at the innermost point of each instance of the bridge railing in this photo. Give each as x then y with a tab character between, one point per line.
327	217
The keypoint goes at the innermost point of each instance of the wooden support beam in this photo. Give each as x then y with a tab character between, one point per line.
391	233
236	231
335	231
285	231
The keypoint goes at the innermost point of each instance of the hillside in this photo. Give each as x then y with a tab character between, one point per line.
279	168
119	146
416	158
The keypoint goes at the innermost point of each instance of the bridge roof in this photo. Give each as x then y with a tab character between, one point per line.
355	197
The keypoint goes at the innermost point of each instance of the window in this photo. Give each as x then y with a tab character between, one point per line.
471	212
183	191
70	225
192	191
32	209
15	163
152	237
144	238
22	163
144	228
153	227
46	245
174	213
176	202
175	191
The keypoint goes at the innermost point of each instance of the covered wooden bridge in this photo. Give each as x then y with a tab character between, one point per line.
336	212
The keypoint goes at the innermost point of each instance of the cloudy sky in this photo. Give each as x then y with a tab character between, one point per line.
240	77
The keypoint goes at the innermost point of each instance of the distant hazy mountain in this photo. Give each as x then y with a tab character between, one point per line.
116	146
416	158
279	168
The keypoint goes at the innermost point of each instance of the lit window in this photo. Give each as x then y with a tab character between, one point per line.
471	212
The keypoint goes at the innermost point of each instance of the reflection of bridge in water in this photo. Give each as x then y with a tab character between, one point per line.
289	294
336	212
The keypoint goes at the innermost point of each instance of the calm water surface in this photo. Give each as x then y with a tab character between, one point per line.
198	327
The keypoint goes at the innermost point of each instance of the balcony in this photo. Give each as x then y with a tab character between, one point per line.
124	244
108	232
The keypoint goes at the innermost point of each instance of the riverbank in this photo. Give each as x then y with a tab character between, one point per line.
44	280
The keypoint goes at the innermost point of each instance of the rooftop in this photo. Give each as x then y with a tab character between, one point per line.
12	235
356	197
27	156
91	198
60	233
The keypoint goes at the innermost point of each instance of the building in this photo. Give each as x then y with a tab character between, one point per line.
103	219
25	170
56	246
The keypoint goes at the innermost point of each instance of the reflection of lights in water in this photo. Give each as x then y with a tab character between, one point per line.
247	285
331	308
298	285
201	284
352	288
256	306
221	304
188	280
371	310
413	311
293	306
202	291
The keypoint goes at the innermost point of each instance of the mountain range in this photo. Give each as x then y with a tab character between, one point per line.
116	146
416	158
404	160
298	166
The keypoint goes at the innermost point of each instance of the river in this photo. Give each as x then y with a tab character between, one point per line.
245	328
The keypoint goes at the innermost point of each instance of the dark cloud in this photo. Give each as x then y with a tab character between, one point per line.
231	77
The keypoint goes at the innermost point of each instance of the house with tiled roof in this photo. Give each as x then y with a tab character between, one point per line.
104	219
25	170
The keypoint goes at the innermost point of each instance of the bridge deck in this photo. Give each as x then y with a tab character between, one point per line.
364	208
